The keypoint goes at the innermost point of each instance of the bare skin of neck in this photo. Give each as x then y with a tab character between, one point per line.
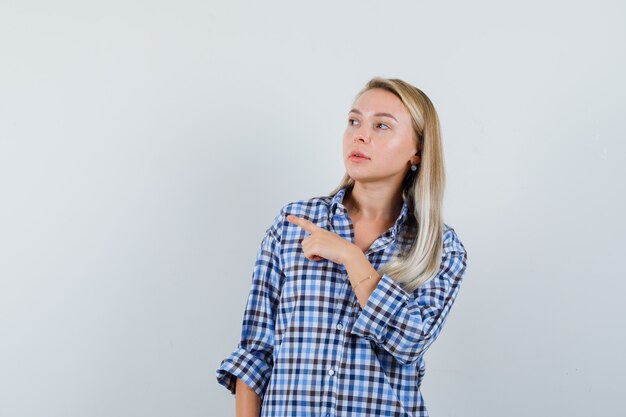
368	229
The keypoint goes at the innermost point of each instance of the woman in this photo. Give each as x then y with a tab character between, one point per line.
349	290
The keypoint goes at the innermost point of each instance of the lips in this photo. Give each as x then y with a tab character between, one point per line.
359	154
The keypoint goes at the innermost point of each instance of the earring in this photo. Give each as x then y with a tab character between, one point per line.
413	168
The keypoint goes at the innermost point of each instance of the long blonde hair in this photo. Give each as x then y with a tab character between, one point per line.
423	189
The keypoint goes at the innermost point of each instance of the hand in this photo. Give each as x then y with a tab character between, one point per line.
322	243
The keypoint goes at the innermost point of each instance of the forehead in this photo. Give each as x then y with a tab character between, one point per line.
378	100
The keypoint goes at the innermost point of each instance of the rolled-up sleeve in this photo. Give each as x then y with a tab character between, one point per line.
252	360
406	324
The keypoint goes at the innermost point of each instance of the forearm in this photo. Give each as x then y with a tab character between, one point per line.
247	402
359	268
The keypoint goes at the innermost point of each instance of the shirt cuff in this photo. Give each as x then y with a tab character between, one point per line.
383	304
247	367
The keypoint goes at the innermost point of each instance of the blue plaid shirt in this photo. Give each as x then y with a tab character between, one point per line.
307	348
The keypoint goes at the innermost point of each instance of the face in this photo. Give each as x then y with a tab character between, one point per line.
380	127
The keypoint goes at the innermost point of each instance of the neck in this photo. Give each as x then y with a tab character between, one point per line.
374	203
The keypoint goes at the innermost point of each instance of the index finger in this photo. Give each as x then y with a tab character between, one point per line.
303	223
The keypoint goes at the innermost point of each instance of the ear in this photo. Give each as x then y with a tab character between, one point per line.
415	159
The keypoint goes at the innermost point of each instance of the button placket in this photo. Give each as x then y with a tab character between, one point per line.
334	365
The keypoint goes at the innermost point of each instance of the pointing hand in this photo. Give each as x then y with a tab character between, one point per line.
322	243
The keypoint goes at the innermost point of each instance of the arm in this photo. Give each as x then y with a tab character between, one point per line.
252	360
406	324
359	268
247	402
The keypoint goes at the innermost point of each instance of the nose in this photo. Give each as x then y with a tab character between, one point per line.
361	135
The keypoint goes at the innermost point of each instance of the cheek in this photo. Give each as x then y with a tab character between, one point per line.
395	147
402	144
395	152
346	139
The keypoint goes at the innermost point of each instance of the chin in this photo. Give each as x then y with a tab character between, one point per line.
361	177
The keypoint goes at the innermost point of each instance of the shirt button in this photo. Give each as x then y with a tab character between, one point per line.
339	326
337	211
331	372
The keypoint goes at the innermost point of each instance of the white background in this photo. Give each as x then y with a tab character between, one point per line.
145	147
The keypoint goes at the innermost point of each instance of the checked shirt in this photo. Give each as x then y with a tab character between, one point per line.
307	348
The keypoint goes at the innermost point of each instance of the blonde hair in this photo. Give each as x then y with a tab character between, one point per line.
423	189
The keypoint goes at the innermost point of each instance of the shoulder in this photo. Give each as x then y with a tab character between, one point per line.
452	242
314	209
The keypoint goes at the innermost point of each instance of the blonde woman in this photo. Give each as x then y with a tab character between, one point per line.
350	289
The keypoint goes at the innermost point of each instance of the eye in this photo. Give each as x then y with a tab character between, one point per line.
382	126
351	122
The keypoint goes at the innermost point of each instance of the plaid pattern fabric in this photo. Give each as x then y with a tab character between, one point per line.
307	348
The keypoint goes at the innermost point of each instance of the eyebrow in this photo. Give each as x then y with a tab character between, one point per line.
375	114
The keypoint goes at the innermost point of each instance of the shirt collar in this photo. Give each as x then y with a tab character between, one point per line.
337	208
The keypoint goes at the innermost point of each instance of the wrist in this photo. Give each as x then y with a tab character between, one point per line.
352	252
